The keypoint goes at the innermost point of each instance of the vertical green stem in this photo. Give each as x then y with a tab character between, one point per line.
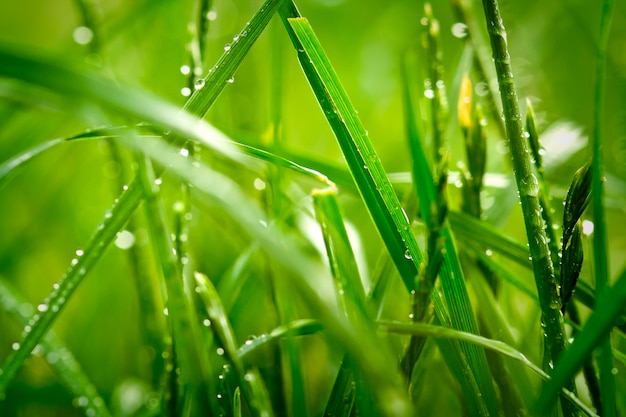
605	358
528	187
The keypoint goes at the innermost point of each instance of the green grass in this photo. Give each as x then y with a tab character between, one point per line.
235	271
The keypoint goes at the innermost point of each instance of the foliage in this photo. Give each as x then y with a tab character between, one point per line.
233	261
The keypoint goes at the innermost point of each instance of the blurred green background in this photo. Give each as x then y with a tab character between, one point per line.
49	209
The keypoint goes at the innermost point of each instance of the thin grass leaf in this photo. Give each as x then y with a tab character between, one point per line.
495	345
341	258
9	167
58	356
250	380
528	187
460	314
237	403
545	199
518	383
600	249
303	327
208	88
350	293
610	305
291	354
252	151
106	232
457	361
186	334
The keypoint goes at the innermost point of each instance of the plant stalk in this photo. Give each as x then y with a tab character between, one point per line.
528	187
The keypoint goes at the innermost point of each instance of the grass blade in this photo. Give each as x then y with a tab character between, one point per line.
600	250
60	359
186	334
224	69
528	187
106	232
8	168
365	166
250	380
297	328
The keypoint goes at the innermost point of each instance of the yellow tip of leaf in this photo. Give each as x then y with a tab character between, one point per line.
465	102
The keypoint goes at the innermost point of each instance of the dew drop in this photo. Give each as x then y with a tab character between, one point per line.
407	255
166	311
231	80
185	91
42	308
220	351
15	346
429	93
211	15
125	240
82	35
459	30
227	47
530	186
198	84
185	69
74	261
184	152
259	184
587	227
206	322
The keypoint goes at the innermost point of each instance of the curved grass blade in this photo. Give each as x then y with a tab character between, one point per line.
610	305
249	378
302	327
376	363
495	345
252	151
8	168
60	359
